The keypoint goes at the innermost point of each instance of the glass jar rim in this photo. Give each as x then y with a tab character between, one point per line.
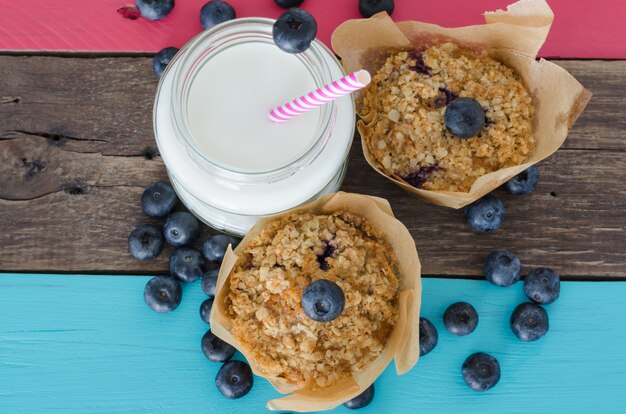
210	43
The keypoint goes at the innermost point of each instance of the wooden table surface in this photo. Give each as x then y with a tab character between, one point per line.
77	150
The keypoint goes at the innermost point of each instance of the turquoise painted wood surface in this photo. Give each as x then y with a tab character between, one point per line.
88	344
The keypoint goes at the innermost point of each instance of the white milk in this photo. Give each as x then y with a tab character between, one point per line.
235	76
229	102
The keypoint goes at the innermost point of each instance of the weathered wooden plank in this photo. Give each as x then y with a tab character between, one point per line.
104	104
87	345
75	212
602	124
87	105
76	151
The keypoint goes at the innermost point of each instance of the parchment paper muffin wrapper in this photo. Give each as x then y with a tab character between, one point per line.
512	37
403	344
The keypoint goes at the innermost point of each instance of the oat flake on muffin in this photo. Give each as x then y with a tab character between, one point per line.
267	282
408	98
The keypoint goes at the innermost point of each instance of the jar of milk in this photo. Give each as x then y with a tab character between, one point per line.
229	164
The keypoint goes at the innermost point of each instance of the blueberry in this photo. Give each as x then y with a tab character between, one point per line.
460	318
215	246
215	349
162	294
145	242
361	400
481	371
420	65
485	215
181	228
328	251
428	336
234	379
419	177
158	199
294	31
502	268
445	97
205	310
524	182
162	59
464	118
323	300
368	8
215	12
529	321
542	285
287	4
155	9
209	280
186	264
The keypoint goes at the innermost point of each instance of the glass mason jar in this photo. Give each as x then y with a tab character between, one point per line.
231	199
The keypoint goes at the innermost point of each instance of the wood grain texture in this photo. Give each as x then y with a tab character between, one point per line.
584	30
89	345
76	151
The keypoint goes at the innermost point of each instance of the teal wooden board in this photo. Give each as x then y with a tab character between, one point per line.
88	344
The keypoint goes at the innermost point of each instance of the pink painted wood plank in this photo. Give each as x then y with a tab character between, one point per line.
582	29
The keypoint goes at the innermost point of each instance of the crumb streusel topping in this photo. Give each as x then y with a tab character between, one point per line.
408	98
266	286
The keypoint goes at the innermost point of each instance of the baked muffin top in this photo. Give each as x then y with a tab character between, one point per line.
407	100
274	269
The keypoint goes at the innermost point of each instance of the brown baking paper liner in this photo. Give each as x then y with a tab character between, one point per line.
403	344
512	37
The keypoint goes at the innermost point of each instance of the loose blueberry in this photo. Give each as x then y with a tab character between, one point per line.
162	59
542	286
158	199
186	264
368	8
460	318
234	379
524	182
215	247
215	349
145	242
464	118
155	9
162	294
294	31
209	281
181	228
215	12
502	268
529	322
205	310
485	215
323	300
287	4
481	371
361	400
428	336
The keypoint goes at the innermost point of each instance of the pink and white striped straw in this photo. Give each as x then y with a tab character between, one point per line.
321	96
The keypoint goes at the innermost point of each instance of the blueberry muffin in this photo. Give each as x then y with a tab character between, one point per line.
272	276
440	118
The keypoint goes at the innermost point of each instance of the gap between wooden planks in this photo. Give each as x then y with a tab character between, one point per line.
76	151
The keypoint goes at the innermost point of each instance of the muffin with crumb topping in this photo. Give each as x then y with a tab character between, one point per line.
408	99
267	282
